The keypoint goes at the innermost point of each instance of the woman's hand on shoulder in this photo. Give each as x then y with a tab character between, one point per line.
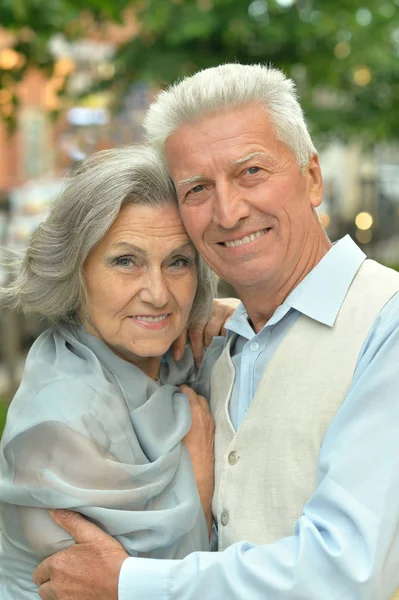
202	334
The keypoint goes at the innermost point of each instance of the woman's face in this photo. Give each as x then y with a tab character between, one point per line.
141	281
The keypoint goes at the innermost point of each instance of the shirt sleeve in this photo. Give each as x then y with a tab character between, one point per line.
346	542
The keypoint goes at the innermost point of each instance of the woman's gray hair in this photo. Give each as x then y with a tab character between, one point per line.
227	87
50	279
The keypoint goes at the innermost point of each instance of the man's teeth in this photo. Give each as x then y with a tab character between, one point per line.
151	319
246	239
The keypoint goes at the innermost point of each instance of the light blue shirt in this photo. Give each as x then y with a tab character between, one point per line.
346	542
318	296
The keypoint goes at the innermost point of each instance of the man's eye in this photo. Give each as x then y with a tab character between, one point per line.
197	188
253	170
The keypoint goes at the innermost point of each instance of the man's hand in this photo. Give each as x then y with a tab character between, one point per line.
203	333
199	442
88	570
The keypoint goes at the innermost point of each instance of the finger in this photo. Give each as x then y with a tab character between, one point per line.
196	335
198	404
223	309
203	402
212	329
46	591
179	345
42	573
77	526
185	389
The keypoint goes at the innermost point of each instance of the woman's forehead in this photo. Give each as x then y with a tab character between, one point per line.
146	229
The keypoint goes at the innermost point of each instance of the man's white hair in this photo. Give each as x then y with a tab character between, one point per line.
228	87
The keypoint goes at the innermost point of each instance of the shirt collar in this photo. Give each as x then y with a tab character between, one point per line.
321	293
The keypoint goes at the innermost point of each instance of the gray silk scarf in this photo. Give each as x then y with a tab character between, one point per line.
90	432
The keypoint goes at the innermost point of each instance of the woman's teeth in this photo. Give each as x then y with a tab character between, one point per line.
151	319
246	239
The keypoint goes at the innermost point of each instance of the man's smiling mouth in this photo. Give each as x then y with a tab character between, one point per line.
246	239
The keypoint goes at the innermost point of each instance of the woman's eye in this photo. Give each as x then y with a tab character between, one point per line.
180	263
253	170
124	261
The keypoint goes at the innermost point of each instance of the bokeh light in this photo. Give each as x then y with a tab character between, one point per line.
9	59
324	219
362	75
364	221
364	237
342	50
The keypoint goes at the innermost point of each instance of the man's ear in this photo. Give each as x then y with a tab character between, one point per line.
315	179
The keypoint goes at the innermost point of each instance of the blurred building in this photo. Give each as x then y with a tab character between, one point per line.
54	130
362	196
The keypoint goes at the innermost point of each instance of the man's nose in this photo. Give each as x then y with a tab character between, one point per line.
154	289
230	205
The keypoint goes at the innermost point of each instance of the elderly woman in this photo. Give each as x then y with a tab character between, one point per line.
97	423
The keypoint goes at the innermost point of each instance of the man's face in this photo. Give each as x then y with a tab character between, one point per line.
243	200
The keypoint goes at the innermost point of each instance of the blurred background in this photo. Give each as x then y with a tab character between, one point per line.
77	77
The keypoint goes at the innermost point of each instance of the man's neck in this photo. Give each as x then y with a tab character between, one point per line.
261	301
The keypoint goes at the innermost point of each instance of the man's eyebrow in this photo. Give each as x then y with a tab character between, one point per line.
250	156
239	161
189	180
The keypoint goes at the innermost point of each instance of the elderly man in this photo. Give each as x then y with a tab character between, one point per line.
305	395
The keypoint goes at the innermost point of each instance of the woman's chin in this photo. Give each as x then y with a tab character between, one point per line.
140	352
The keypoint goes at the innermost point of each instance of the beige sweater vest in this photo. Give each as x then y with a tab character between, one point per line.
266	472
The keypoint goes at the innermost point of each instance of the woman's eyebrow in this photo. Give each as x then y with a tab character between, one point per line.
186	246
128	246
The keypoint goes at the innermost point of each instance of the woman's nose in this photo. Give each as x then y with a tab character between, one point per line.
154	290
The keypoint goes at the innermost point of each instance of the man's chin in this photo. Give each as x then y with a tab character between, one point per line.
245	273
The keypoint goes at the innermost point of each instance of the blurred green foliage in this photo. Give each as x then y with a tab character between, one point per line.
344	55
330	47
31	23
3	413
46	18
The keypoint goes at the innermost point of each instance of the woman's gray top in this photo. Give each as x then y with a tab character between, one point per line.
91	432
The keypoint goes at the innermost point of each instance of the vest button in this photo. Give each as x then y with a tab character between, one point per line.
224	518
232	458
